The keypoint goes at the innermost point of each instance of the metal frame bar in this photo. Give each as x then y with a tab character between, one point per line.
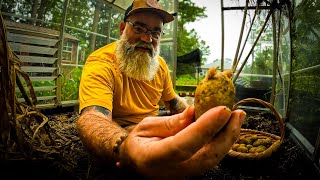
222	36
254	44
246	40
316	155
243	7
60	52
235	60
70	27
307	145
305	69
175	42
275	58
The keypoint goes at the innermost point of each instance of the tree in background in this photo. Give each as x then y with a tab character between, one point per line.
262	63
189	40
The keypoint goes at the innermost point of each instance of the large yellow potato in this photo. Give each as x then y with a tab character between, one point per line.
214	90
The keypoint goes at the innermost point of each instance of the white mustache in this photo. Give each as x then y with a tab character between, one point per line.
130	48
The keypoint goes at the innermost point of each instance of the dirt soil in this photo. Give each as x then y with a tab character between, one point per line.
288	162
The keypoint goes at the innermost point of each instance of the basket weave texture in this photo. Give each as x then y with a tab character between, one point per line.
276	140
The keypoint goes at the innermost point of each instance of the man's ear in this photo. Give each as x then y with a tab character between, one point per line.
122	26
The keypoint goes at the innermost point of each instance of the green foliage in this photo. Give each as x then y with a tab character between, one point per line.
306	47
188	79
9	6
306	36
189	40
187	83
70	84
189	12
38	93
263	62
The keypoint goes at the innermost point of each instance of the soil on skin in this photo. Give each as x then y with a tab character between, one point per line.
288	162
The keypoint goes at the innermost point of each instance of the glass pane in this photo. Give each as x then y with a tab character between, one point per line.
94	24
70	82
304	106
241	3
306	36
304	103
166	53
124	4
167	44
255	79
284	56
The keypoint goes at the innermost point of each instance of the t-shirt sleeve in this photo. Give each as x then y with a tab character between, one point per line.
168	91
97	84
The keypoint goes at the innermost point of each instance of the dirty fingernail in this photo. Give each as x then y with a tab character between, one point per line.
242	117
227	109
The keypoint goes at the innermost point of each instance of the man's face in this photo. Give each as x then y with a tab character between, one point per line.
138	47
147	20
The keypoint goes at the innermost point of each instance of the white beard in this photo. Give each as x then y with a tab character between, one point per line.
140	65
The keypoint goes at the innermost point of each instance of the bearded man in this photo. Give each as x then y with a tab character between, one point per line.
121	86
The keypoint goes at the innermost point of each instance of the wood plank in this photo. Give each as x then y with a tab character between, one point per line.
32	49
46	106
63	104
31	39
41	98
42	88
38	69
42	78
37	59
69	103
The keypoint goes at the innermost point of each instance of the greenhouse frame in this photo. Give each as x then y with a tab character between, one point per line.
277	58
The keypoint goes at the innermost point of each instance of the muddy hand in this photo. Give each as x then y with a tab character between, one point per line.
176	146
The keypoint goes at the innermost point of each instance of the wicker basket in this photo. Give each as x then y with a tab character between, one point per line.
249	133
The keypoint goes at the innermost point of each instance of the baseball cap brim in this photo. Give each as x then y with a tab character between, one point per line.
167	17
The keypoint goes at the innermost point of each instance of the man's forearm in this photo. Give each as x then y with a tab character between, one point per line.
99	134
176	105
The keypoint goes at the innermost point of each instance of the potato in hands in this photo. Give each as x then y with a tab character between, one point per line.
216	89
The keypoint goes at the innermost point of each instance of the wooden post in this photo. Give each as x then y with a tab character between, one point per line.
291	25
6	97
60	52
96	19
109	26
246	40
174	38
275	59
222	36
235	60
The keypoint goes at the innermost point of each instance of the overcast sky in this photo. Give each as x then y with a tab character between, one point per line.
209	29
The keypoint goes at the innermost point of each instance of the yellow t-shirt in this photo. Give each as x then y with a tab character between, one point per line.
130	100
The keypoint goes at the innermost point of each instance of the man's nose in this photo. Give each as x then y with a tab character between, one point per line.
146	37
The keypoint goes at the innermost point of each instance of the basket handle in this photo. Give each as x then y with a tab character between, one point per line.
268	105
